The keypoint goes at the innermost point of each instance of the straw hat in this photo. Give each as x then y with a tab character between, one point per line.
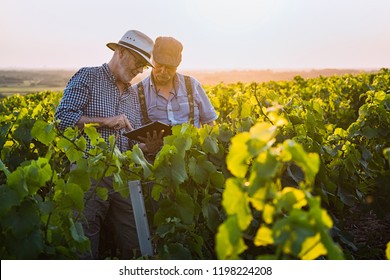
136	41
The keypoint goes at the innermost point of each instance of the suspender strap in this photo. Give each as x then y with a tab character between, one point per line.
142	103
190	98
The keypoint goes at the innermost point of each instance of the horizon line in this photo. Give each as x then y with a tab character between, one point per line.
276	69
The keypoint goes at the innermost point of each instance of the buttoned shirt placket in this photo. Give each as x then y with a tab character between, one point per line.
170	114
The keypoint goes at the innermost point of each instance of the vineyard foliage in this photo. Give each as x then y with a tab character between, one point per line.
274	179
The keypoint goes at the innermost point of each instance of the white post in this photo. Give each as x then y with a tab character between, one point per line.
141	220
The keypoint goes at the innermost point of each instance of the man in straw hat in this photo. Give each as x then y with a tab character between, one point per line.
103	95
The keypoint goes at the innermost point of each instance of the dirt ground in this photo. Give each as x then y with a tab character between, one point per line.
369	233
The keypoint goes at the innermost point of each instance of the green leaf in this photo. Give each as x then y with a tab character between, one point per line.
165	229
183	144
27	248
102	193
200	169
217	179
178	169
23	220
71	152
76	195
334	251
4	130
156	191
68	195
181	208
170	167
8	198
4	168
225	133
120	185
16	181
210	145
197	173
80	177
348	197
185	207
211	213
43	132
46	207
77	233
138	157
176	251
370	132
386	154
23	132
92	134
37	174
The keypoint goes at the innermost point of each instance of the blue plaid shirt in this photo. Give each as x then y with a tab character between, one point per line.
92	92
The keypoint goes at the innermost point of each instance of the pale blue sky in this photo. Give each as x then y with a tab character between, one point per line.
216	34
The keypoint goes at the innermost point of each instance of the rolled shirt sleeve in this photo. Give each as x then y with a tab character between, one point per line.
207	112
75	98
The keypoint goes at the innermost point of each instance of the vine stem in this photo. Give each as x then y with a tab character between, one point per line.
254	87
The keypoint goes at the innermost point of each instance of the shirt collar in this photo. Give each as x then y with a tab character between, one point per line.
107	71
111	77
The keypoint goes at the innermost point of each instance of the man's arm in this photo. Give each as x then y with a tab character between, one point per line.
115	122
207	114
73	101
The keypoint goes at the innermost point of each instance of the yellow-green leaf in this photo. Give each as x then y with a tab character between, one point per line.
263	237
309	162
299	197
235	201
268	213
312	248
238	158
229	241
263	131
326	219
258	199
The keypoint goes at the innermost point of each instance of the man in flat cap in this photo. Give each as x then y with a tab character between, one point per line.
171	97
103	95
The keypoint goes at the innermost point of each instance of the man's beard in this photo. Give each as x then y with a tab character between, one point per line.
163	80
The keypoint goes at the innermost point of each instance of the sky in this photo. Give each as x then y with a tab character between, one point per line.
216	34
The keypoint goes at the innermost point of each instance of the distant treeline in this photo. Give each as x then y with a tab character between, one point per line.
27	81
50	78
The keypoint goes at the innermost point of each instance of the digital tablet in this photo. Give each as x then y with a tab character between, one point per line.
143	130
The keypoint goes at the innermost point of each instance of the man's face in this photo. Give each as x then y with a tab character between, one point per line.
163	74
131	65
